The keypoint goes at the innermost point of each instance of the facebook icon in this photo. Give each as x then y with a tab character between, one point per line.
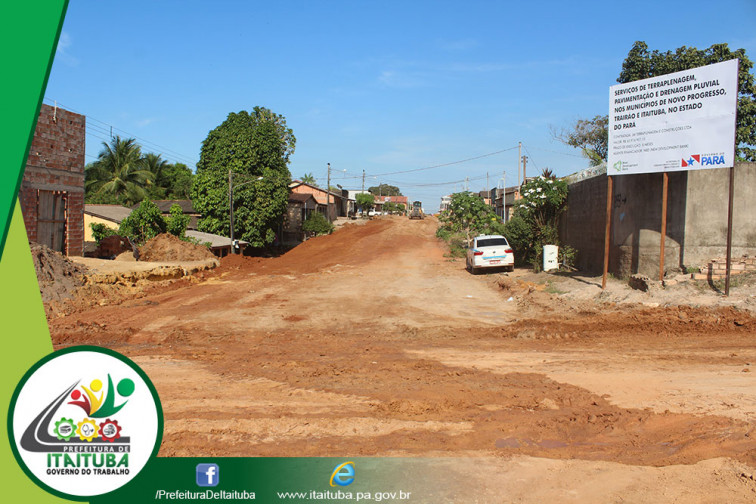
207	475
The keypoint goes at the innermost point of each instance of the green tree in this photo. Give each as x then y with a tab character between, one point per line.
253	147
385	190
365	201
469	216
536	218
177	221
119	174
101	231
176	179
590	136
317	225
260	115
309	178
642	63
144	223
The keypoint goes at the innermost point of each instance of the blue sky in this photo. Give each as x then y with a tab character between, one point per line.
378	86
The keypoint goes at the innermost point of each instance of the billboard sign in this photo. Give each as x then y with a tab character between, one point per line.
674	122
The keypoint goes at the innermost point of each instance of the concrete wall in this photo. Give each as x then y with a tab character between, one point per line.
56	163
583	223
91	219
696	220
706	214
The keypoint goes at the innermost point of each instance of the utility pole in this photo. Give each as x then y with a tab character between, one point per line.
467	186
524	168
363	180
519	160
488	190
231	204
328	195
504	196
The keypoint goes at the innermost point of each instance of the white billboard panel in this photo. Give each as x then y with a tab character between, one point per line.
674	122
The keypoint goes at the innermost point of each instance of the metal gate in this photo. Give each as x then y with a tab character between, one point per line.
51	219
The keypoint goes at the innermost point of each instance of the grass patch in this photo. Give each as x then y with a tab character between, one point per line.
741	280
553	289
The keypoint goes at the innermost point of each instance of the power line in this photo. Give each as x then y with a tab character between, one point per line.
530	158
432	184
444	164
557	152
106	128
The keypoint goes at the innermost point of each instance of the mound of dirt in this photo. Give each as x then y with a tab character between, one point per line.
166	247
349	245
57	276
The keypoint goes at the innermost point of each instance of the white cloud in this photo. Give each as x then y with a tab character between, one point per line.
62	51
458	45
146	122
395	79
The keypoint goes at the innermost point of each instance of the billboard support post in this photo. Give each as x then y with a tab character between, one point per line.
609	197
729	231
732	184
665	187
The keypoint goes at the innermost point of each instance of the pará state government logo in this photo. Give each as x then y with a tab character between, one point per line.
84	421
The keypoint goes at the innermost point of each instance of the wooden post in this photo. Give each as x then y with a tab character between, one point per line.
231	206
609	196
665	186
732	194
729	228
328	194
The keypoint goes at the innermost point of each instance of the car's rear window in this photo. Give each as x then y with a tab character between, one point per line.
492	242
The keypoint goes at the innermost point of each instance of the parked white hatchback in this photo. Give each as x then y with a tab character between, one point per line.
489	251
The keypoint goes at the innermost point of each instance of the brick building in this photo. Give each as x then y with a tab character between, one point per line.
52	189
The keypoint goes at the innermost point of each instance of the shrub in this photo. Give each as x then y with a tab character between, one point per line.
520	236
144	223
317	225
100	231
177	222
534	223
365	201
567	256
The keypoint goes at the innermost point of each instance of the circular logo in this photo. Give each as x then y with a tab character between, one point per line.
84	421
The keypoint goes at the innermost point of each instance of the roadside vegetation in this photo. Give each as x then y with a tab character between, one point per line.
467	217
145	223
317	225
365	202
256	147
533	224
122	175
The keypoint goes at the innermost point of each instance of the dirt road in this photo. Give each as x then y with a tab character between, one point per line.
371	342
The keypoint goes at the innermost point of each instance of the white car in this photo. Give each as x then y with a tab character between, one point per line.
490	251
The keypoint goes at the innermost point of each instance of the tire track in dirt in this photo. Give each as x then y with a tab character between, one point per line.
304	322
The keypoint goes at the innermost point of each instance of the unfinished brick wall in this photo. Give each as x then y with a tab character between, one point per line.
56	164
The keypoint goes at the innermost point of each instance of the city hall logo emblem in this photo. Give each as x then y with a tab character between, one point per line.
91	436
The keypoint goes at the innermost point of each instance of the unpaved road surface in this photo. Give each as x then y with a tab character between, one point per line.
370	342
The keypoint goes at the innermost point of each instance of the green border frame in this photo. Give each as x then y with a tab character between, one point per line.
74	349
25	25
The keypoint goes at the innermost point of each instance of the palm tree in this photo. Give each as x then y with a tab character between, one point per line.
156	164
309	178
159	168
119	172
